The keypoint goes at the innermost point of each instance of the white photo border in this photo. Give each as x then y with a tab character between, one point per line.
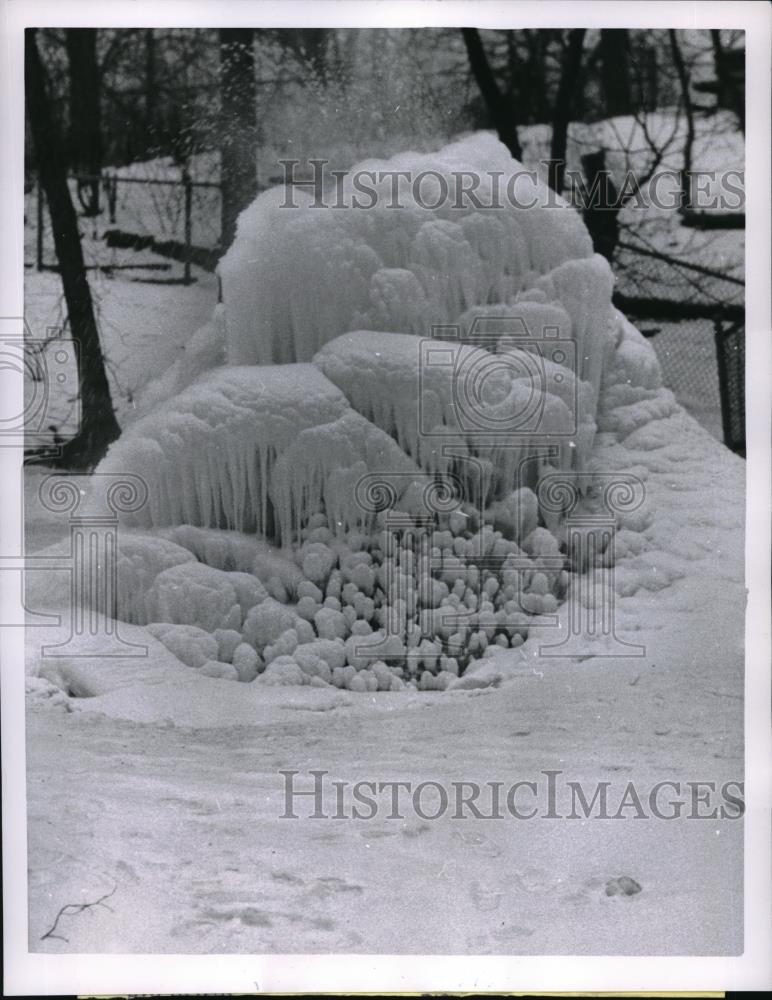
45	974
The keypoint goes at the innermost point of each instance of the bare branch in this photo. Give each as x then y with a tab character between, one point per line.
70	909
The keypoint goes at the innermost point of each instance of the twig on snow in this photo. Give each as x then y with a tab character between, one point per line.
70	909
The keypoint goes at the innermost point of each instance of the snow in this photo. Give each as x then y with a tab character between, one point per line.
246	662
435	409
140	559
267	621
146	330
190	643
210	454
184	784
184	780
402	269
194	594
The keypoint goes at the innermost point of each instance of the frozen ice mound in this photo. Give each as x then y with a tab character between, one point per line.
254	449
459	406
327	320
295	278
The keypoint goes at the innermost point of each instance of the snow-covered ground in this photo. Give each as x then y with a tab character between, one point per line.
165	785
144	328
154	783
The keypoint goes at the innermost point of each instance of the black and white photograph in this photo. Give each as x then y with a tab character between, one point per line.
385	495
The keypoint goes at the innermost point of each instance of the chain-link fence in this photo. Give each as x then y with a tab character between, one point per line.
685	290
703	363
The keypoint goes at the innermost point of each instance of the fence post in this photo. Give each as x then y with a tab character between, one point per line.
39	224
188	185
111	191
730	359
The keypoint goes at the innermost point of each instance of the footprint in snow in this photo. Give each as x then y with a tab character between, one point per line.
326	885
623	886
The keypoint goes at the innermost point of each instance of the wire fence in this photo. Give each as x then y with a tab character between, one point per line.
703	363
160	219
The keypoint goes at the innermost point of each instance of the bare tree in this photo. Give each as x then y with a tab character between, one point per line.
310	47
500	109
686	101
238	127
565	104
151	89
98	424
85	136
614	52
729	67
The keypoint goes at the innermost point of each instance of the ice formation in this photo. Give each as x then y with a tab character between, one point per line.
353	295
335	372
383	267
471	403
253	448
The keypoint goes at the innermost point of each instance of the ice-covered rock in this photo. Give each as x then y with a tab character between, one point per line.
266	622
284	671
190	644
254	449
225	671
246	662
332	651
338	376
140	559
194	594
228	640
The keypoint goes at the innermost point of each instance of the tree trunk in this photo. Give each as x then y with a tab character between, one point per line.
314	43
537	73
683	79
615	71
238	126
565	103
151	92
601	216
729	67
85	136
98	424
501	112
